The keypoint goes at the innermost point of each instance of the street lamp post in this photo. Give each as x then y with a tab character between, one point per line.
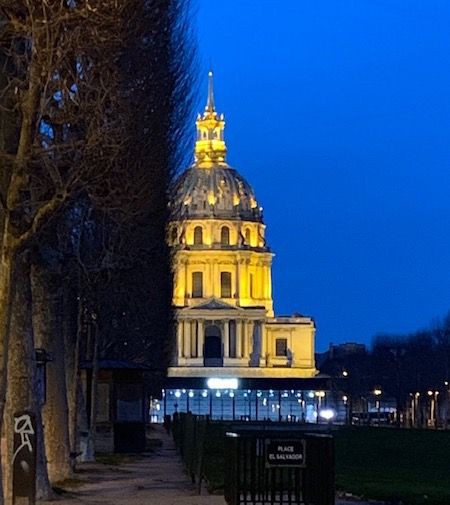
436	409
345	400
415	413
319	396
433	408
377	392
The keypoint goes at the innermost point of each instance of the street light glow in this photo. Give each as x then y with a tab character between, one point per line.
327	414
219	383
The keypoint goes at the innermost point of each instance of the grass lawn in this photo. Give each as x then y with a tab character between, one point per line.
392	464
412	466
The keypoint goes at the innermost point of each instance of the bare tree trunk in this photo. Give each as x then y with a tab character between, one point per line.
5	321
21	378
78	419
72	360
8	244
47	326
90	450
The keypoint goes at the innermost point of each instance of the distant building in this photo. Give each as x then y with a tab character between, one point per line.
340	352
226	327
346	349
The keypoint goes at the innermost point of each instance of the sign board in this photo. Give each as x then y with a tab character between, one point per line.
24	456
285	453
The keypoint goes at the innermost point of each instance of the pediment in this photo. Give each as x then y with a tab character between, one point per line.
213	304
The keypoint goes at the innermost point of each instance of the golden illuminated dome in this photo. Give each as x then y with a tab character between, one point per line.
210	188
218	192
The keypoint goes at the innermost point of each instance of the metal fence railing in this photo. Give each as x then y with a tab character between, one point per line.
275	467
189	436
260	465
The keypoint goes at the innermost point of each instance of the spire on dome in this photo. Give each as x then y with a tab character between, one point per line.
210	148
210	107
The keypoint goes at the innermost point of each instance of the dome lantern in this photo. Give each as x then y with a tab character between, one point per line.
210	148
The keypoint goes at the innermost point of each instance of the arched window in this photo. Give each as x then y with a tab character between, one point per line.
174	235
225	284
197	284
225	235
198	235
247	236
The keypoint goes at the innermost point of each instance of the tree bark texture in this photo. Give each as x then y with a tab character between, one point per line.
48	332
5	321
72	338
93	393
16	342
21	379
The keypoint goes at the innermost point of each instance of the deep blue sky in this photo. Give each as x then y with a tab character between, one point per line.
338	114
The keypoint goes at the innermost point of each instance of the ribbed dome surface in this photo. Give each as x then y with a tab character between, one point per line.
217	192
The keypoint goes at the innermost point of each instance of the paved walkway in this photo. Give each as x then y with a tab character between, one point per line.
156	478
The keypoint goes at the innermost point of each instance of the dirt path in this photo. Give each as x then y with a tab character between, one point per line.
156	478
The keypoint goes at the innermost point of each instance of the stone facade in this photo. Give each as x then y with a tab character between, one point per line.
222	274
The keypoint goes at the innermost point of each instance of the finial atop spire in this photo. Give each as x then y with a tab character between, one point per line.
210	107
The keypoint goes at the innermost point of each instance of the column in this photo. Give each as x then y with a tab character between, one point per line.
187	338
194	339
201	338
180	338
238	338
215	280
238	283
244	339
257	277
260	277
226	339
262	329
176	280
208	284
180	280
186	280
250	338
265	282
269	277
246	275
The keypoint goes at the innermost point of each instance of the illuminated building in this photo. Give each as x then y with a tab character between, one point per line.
226	326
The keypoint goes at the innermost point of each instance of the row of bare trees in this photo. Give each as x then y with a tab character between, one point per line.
94	98
413	366
403	367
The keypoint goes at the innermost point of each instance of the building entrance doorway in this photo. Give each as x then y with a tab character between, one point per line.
213	354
